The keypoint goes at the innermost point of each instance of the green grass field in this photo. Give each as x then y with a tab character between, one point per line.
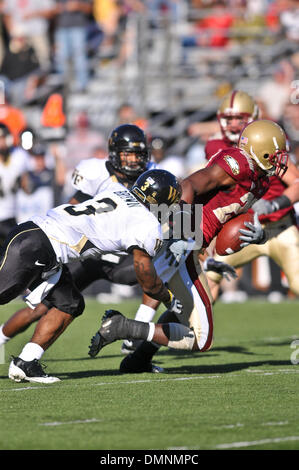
242	394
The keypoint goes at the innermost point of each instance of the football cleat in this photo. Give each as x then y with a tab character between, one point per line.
30	371
112	323
134	365
129	346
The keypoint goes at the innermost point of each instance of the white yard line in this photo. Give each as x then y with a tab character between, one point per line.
263	373
277	440
160	380
79	421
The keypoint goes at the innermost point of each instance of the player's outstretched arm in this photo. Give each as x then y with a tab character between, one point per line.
150	282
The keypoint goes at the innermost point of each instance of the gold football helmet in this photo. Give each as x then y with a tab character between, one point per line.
236	110
265	142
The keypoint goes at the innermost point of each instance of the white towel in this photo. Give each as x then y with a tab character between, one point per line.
40	292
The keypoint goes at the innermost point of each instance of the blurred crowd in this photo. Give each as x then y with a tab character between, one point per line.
51	49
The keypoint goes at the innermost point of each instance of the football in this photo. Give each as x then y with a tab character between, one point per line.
228	241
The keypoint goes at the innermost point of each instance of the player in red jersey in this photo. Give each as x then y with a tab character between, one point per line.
229	185
236	110
275	208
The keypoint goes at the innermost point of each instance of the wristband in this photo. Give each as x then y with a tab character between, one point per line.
170	297
281	202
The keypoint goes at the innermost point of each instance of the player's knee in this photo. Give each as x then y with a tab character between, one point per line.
180	336
75	308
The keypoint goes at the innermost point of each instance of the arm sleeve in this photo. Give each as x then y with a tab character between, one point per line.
146	239
87	177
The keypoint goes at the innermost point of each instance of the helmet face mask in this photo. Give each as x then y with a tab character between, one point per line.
265	142
236	111
128	150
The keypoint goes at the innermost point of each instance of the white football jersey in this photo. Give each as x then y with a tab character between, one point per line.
114	222
10	171
92	176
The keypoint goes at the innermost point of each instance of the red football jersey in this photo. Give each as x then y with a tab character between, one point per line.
276	187
221	205
217	143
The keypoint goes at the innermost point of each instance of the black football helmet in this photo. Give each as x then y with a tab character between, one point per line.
157	187
128	138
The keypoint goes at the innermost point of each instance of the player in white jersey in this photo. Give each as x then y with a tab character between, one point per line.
115	221
128	158
13	164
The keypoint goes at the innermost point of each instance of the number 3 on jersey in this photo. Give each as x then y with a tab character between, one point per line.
97	207
224	213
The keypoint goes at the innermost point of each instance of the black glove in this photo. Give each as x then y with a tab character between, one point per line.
226	270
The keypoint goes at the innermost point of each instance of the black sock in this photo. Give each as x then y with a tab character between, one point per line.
135	329
146	351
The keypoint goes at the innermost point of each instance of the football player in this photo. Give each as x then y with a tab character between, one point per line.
128	158
275	208
117	220
230	183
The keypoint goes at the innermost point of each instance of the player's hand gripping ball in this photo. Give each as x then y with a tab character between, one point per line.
228	241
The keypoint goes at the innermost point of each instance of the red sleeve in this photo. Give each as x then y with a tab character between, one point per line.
212	147
233	163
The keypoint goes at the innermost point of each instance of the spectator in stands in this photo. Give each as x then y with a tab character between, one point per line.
289	20
159	10
12	117
81	140
20	69
213	29
13	164
70	39
167	161
275	92
33	16
107	15
127	114
40	184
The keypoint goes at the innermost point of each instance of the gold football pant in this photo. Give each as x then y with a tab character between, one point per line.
190	286
282	247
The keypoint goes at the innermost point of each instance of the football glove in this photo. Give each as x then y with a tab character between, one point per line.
175	250
256	234
264	207
226	270
173	305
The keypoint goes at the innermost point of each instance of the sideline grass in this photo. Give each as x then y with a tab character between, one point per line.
242	394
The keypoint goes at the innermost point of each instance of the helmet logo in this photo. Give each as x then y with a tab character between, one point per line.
243	140
149	181
173	194
233	164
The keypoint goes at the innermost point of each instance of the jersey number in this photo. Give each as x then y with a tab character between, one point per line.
224	213
98	207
